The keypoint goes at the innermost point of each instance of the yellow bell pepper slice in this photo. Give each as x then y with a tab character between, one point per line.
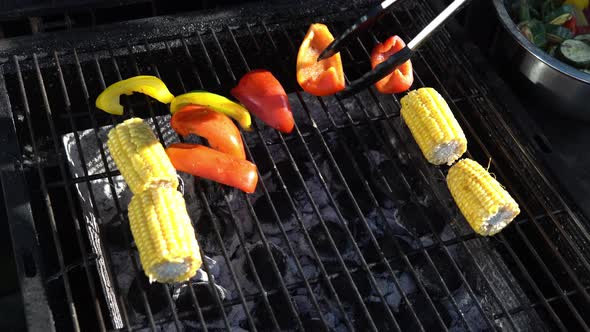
580	4
152	86
216	103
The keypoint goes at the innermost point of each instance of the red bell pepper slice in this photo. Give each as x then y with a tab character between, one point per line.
321	78
219	130
402	77
207	163
264	96
571	25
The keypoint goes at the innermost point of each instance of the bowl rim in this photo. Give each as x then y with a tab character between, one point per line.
541	55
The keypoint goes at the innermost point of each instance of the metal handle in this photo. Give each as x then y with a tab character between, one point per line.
436	23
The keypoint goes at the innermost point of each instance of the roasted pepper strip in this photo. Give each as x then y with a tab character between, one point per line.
402	77
214	102
219	130
207	163
264	96
152	86
320	78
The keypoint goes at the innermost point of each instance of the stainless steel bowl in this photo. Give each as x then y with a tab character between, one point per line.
563	88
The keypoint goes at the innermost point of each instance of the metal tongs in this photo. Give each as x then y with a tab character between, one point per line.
385	68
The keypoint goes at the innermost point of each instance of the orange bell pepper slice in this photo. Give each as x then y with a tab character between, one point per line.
219	130
207	163
321	78
402	77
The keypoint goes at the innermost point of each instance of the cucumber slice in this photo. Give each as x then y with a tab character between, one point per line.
575	52
560	15
585	38
556	33
534	31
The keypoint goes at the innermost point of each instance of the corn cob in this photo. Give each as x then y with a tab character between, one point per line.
164	235
140	157
433	126
486	205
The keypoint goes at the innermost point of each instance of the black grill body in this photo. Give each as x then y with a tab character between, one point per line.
349	229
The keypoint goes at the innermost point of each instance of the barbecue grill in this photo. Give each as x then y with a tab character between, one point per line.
349	229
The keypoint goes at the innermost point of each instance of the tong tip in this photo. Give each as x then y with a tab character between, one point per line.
328	52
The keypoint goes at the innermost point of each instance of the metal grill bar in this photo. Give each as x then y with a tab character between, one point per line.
193	295
557	225
292	161
365	265
511	321
276	215
195	302
266	192
469	251
89	110
135	263
462	243
242	242
391	260
359	212
523	236
63	171
284	235
554	221
117	204
382	109
382	141
536	304
161	137
248	68
293	205
501	235
211	278
47	201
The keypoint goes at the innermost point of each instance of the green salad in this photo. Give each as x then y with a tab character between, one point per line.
559	27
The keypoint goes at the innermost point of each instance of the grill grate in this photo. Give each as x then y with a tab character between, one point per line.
314	248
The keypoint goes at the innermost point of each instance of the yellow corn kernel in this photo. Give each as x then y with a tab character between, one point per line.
140	157
164	235
486	205
433	126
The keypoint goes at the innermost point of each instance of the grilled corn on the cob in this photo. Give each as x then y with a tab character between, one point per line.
164	235
140	157
433	126
486	205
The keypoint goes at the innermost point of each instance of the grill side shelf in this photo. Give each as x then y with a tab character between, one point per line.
20	220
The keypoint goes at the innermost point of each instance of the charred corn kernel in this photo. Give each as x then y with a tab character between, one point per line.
486	205
164	235
140	157
433	126
152	86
